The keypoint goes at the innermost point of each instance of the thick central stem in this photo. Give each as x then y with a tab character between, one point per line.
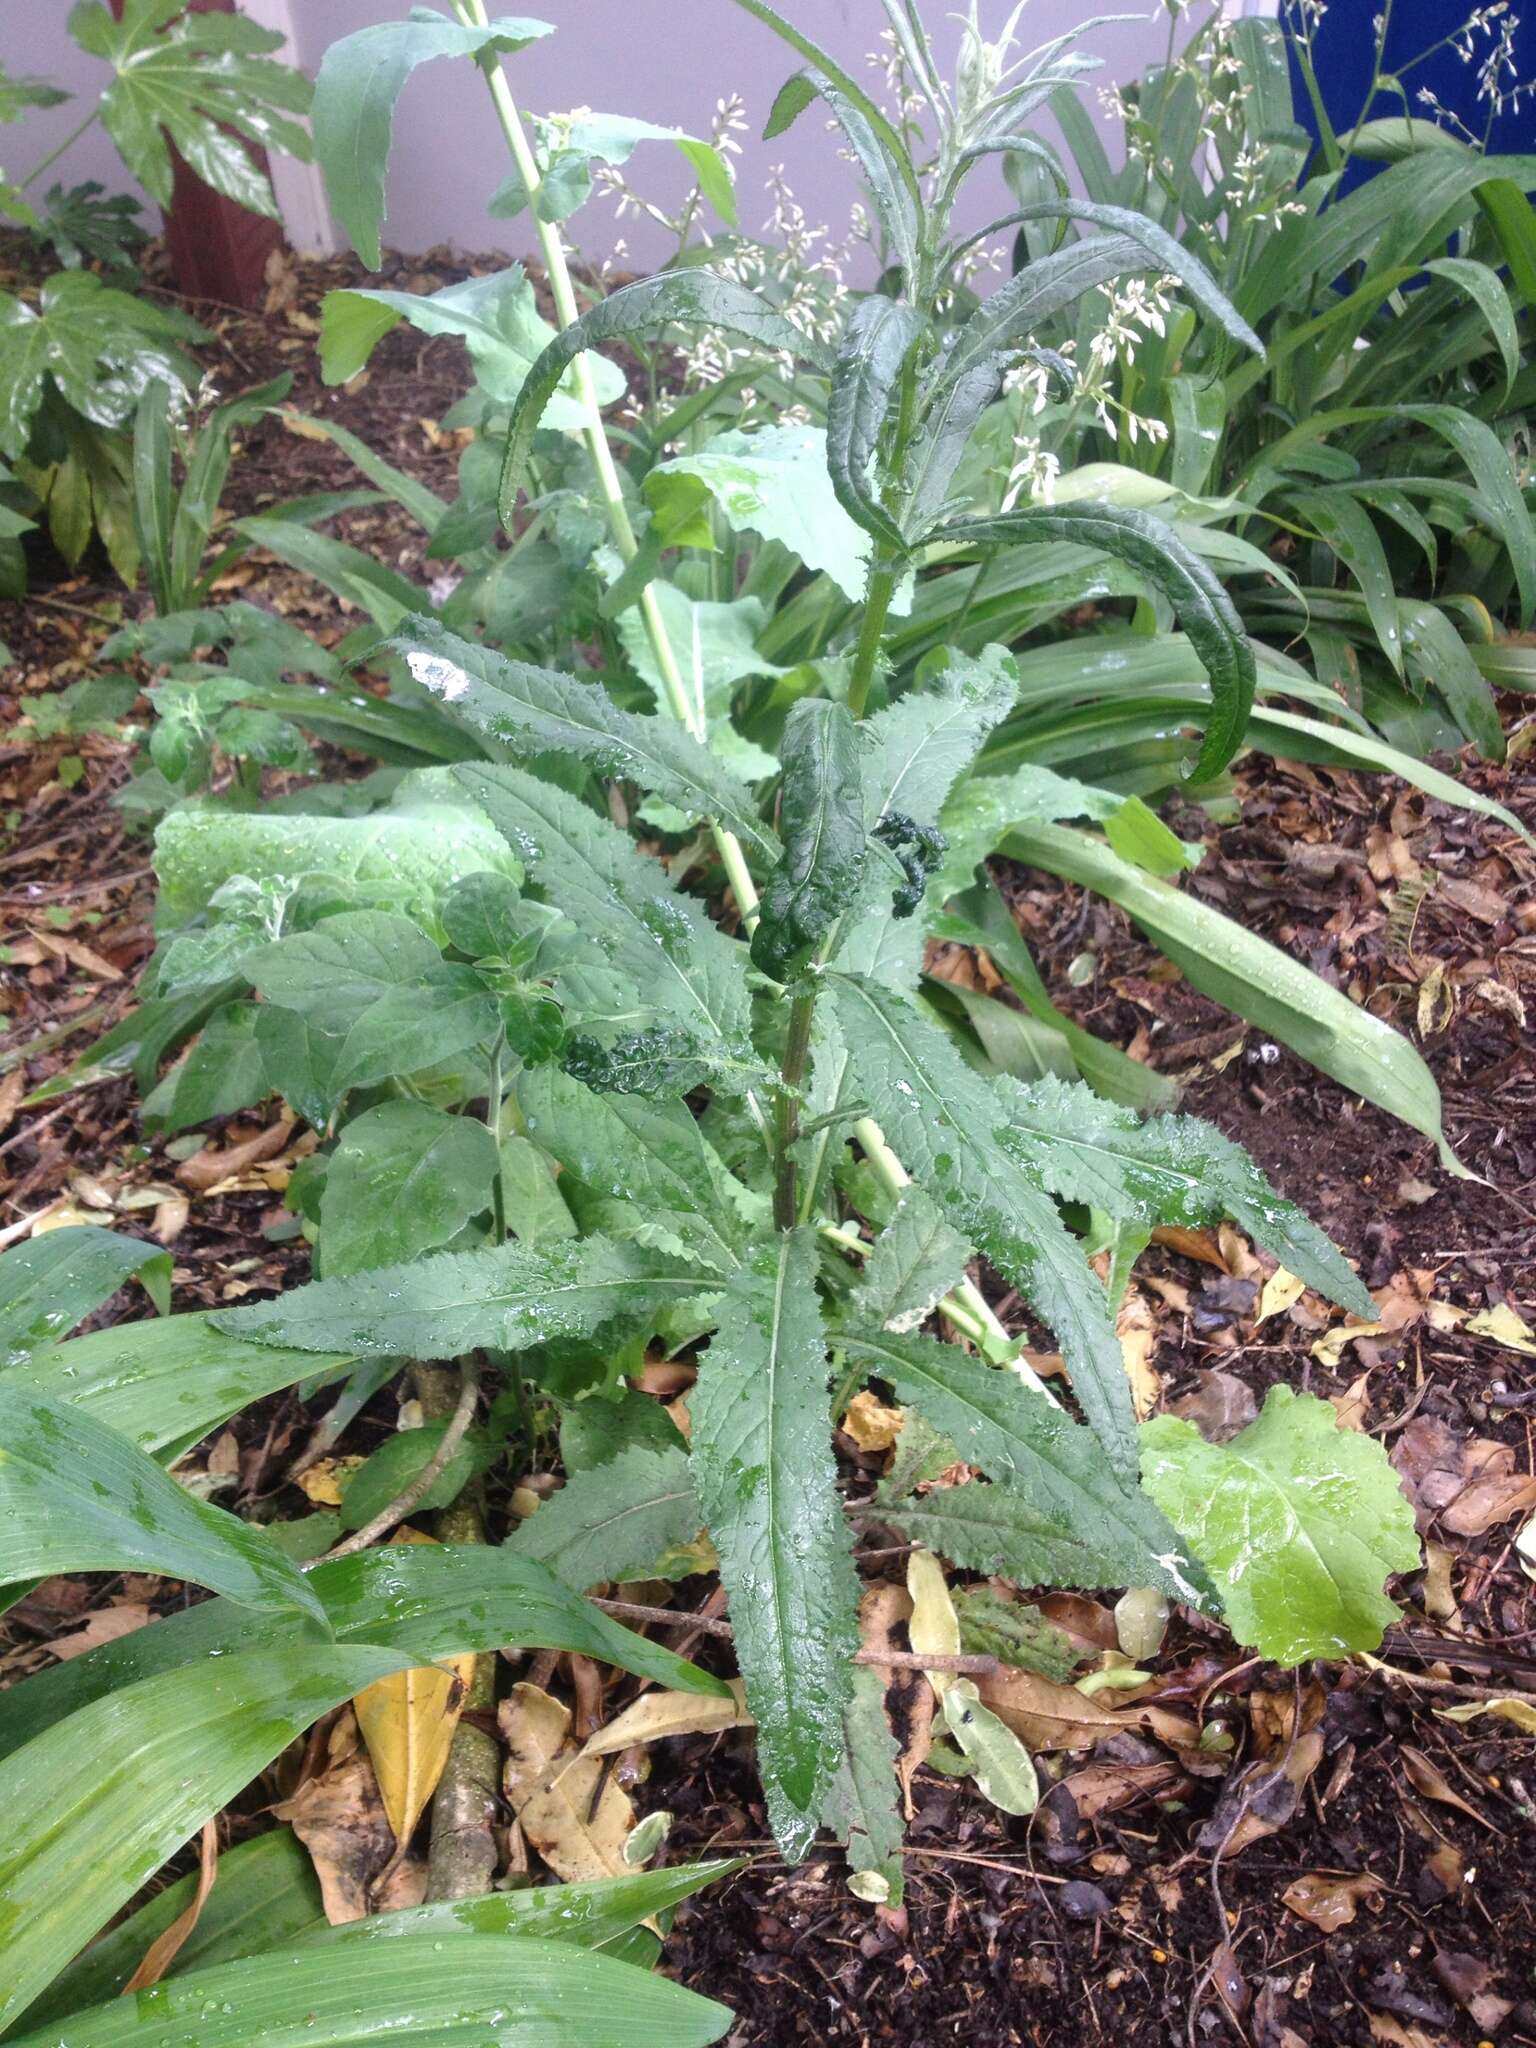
786	1122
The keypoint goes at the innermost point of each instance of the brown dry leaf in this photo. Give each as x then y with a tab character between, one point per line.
325	1482
1504	1327
1329	1902
1045	1715
1263	1799
1509	1707
1495	1498
168	1944
884	1608
1136	1327
12	1089
1431	1461
1439	1595
1329	1350
658	1714
1109	1788
1089	1623
1279	1291
79	956
1429	1779
1220	1406
208	1169
1238	1254
106	1625
871	1424
339	1817
170	1219
1194	1244
407	1720
570	1807
1353	1405
1398	2034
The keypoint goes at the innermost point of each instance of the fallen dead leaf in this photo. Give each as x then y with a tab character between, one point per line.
1278	1293
1048	1716
872	1425
1220	1406
1439	1595
1508	1707
1353	1405
1136	1327
570	1808
1504	1327
1489	1501
1329	1902
209	1168
325	1482
106	1625
1431	1781
1194	1244
656	1715
168	1944
339	1817
407	1719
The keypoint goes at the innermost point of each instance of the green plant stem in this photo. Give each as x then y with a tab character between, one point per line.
797	1046
883	578
558	271
493	1125
53	155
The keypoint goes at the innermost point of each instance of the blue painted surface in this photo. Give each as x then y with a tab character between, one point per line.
1344	45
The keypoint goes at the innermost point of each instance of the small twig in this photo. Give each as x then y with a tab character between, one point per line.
902	1660
414	1494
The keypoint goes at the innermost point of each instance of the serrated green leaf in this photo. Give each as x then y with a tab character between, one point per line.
617	1520
1298	1520
822	820
917	1259
404	1178
506	1296
418	1601
76	1497
874	346
861	1803
54	1281
537	710
360	79
1076	1510
762	1463
947	1124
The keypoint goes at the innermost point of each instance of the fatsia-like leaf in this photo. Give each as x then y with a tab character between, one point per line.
1078	1514
101	348
52	1282
618	1520
1205	611
76	1497
688	298
948	1123
762	1464
404	1178
420	1992
874	346
1170	1169
360	79
1298	1520
822	819
506	1296
188	80
96	1803
538	710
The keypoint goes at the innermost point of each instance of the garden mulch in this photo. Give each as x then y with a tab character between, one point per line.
1341	1863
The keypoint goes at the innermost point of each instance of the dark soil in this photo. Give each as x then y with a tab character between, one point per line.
1152	1923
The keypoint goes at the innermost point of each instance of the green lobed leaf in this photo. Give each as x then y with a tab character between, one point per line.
822	821
99	347
1075	1512
404	1178
506	1296
761	1459
360	79
538	710
54	1281
690	298
77	1497
615	1521
948	1125
1298	1520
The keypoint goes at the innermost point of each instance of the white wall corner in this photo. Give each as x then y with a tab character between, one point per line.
299	188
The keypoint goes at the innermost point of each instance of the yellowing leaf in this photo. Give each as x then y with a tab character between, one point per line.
1504	1327
1000	1764
872	1425
1280	1290
1329	1351
326	1482
1137	1330
1507	1708
934	1627
571	1808
407	1720
658	1714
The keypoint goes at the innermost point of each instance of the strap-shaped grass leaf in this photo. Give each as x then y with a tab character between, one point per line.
360	79
622	1148
1299	1521
77	1497
947	1123
1023	1440
418	1990
686	298
52	1282
1170	1169
762	1463
883	157
682	966
538	710
874	346
422	1601
506	1296
821	816
186	80
96	1803
1206	613
1248	975
1350	531
617	1520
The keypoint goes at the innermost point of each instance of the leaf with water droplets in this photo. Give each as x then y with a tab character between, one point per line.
762	1464
1298	1521
52	1282
823	823
617	1520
